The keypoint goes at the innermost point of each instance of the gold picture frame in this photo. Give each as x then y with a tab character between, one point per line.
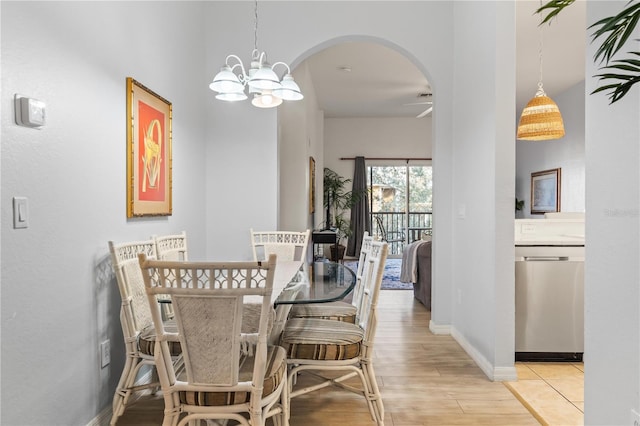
149	152
312	185
545	191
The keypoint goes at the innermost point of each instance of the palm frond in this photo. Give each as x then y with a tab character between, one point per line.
616	30
619	84
553	8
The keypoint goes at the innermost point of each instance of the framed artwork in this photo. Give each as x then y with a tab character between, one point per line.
545	191
149	177
312	185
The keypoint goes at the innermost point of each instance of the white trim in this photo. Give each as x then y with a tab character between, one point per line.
439	328
495	374
505	374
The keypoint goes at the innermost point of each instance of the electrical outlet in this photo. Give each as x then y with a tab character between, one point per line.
105	353
635	418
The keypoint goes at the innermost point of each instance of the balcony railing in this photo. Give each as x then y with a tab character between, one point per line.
401	229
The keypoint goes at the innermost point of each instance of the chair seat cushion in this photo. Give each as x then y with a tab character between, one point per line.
337	311
321	339
274	375
147	339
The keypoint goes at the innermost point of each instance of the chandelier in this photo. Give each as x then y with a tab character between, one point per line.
261	82
541	119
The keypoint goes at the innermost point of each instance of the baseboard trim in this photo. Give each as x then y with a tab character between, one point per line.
495	374
444	329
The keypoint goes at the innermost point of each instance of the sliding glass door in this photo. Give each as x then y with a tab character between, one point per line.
401	203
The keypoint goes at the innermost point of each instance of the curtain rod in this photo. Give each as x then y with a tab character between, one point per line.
387	158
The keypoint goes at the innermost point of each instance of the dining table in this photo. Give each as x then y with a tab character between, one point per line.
320	282
325	281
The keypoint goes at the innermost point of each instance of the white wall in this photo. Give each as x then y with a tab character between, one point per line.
59	296
612	293
566	153
375	138
300	138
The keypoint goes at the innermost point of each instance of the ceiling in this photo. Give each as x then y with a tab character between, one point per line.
371	80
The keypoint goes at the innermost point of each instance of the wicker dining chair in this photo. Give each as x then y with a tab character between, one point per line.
137	325
287	245
319	345
338	310
228	374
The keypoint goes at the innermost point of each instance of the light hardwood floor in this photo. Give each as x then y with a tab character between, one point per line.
425	380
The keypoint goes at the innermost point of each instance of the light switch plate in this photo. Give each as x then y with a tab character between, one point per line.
29	112
20	213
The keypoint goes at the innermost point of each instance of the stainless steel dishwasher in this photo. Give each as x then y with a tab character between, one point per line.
549	302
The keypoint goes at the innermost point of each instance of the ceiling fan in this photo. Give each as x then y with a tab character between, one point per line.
424	96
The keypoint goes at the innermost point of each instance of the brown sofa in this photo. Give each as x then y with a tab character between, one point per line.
422	288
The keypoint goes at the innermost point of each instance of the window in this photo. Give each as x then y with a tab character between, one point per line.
401	203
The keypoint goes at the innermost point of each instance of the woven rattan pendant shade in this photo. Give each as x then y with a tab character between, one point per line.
541	119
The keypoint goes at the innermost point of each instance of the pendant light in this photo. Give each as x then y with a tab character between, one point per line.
263	83
541	119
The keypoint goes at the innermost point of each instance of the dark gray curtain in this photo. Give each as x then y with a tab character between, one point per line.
360	218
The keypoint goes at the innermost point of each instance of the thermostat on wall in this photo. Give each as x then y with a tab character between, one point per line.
29	112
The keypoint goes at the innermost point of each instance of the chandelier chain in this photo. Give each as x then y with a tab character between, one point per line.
255	25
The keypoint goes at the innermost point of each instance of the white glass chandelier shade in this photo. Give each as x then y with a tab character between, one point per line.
289	90
264	78
226	81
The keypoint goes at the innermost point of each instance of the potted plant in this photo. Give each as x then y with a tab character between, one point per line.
337	199
519	207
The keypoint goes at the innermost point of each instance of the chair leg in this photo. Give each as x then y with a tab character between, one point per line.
123	390
372	393
284	401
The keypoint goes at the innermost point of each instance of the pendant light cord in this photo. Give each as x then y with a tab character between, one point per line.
540	91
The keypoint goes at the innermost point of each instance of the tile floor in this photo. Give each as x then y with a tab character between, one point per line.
553	392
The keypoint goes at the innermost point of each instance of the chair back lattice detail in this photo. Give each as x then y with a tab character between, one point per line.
172	247
209	299
287	245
